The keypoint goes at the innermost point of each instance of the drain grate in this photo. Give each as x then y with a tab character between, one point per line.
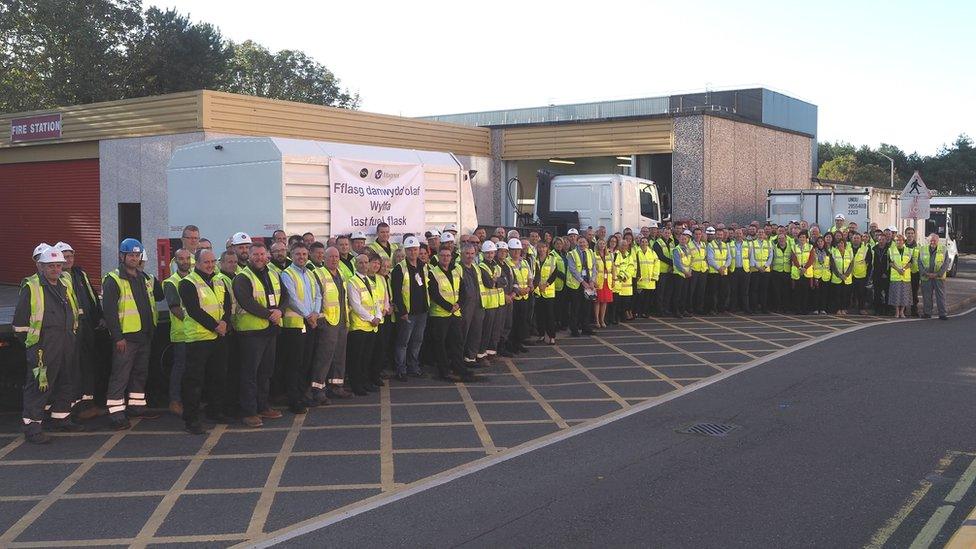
708	429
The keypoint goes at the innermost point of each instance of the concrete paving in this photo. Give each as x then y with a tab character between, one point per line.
155	484
864	440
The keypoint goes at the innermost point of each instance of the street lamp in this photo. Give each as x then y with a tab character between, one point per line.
892	160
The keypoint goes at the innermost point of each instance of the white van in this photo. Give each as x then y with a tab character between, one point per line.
613	200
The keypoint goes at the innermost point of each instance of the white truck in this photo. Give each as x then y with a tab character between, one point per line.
261	184
818	206
613	200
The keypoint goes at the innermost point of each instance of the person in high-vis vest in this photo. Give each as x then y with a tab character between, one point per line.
492	299
381	359
171	290
779	283
560	304
912	244
741	272
545	293
863	260
719	263
801	273
663	245
625	261
298	323
880	272
45	320
329	358
473	306
206	304
89	317
648	274
760	268
382	245
899	292
257	322
523	282
241	245
408	285
699	272
580	282
129	304
820	300
228	267
444	325
933	264
842	276
365	316
347	259
682	263
279	258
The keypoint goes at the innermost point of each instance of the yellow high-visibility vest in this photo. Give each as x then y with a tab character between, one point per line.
366	299
245	321
176	334
129	317
449	288
901	258
212	303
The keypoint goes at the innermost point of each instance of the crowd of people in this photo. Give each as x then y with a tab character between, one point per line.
316	321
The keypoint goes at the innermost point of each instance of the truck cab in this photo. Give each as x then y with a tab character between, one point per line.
612	200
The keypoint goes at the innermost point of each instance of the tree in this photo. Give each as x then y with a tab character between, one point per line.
171	54
840	168
953	168
288	74
63	52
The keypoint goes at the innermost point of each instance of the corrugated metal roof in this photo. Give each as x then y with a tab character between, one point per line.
599	110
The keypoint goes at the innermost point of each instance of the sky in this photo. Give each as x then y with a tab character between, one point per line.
895	72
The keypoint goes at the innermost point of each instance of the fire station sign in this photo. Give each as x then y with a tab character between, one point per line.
35	128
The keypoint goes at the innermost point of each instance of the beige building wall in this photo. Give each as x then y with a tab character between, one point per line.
742	161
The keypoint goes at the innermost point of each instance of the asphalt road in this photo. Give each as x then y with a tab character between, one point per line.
833	441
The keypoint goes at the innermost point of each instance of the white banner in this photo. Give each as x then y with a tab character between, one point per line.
364	194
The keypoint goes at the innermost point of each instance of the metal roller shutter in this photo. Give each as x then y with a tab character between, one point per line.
48	202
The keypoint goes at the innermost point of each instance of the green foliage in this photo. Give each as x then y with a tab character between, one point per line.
66	52
287	74
952	169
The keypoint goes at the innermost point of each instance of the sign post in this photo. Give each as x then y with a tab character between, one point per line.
915	199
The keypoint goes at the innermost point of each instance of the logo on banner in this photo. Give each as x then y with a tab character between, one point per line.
363	173
379	174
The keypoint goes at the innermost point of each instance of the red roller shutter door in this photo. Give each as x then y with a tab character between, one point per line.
48	202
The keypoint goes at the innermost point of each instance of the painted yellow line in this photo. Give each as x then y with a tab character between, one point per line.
596	381
536	395
965	537
479	423
963	485
386	439
932	528
263	508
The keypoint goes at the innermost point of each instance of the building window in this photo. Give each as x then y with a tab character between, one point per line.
883	207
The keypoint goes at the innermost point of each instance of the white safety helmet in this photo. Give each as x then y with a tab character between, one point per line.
447	237
240	238
514	244
653	225
40	249
488	246
501	245
452	227
411	242
839	217
63	247
710	230
687	232
572	231
50	255
433	233
893	229
358	235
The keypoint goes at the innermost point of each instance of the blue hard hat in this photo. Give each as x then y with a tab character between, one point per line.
130	246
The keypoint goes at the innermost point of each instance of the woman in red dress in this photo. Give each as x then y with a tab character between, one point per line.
605	273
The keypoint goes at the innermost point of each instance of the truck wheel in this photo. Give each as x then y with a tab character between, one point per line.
955	267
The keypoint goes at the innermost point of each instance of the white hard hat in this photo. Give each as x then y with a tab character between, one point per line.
63	247
450	227
40	249
572	231
513	234
893	229
50	255
358	235
411	242
501	245
514	244
839	217
687	232
240	238
653	225
448	237
433	233
710	230
489	246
